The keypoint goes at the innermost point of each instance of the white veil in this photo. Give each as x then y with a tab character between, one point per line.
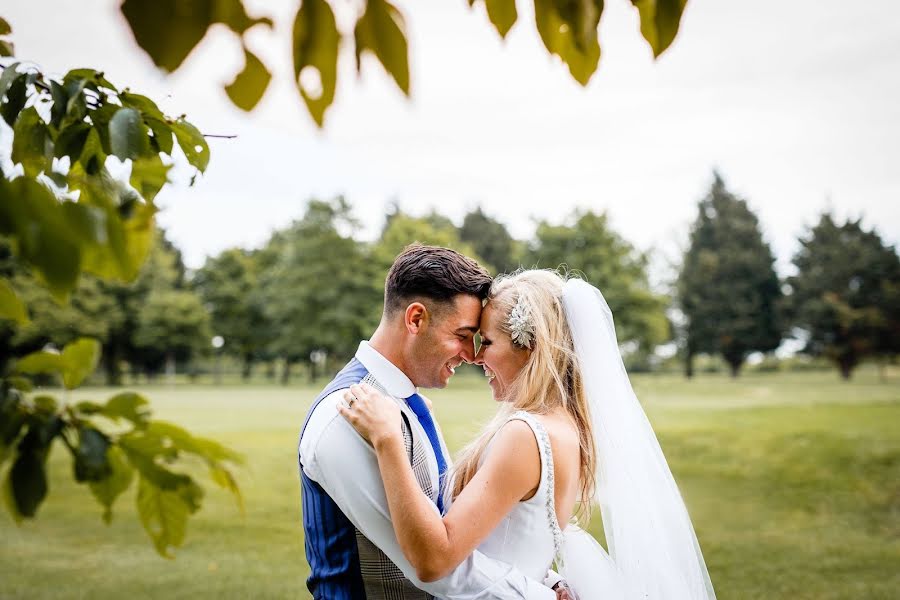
651	541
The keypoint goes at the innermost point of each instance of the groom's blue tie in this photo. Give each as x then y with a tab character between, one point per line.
417	405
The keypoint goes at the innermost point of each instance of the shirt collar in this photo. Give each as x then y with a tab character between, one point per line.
395	381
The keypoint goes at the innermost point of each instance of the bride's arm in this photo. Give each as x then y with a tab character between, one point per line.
434	546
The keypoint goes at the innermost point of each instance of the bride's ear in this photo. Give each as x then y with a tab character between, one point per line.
415	317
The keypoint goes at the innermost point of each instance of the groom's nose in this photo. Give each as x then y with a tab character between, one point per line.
468	351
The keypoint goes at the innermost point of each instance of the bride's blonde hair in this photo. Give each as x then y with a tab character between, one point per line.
550	378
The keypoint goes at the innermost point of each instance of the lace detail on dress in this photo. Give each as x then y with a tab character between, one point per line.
547	477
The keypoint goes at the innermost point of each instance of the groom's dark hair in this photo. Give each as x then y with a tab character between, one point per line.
434	273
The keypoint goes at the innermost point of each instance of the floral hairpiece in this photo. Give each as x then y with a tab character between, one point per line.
520	326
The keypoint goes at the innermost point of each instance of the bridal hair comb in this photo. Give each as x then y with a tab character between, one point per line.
520	326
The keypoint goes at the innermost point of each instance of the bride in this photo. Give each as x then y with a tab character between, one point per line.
569	436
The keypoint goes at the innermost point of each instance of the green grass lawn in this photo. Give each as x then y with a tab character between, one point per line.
792	480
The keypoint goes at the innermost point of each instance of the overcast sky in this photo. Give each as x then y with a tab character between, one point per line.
796	103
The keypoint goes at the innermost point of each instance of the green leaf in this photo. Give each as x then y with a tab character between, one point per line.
70	141
250	84
502	14
127	134
6	79
146	106
60	103
20	383
32	147
128	405
88	407
45	405
232	14
79	359
108	489
28	481
12	418
7	48
86	222
192	144
30	214
16	95
660	20
162	135
91	463
223	477
168	30
11	306
182	440
164	512
569	30
144	450
92	76
42	361
28	477
5	29
149	175
380	31
315	42
129	231
93	158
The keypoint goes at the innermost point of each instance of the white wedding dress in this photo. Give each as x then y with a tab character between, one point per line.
529	537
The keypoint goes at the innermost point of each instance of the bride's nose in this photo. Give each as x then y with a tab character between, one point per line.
479	356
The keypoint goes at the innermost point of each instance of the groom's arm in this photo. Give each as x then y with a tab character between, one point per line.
337	458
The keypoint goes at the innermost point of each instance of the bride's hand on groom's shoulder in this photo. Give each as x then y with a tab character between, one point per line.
373	415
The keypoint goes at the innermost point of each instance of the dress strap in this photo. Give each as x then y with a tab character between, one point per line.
547	478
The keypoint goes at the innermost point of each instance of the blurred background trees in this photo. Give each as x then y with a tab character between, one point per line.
300	303
727	289
845	297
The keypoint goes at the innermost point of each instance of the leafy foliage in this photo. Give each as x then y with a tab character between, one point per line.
63	214
846	294
168	30
313	315
67	214
490	240
727	288
586	241
229	287
105	460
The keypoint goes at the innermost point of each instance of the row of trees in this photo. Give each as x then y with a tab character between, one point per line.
843	301
313	290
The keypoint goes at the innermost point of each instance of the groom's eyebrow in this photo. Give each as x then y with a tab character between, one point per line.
470	328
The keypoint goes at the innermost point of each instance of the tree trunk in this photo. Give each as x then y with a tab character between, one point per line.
170	367
735	368
286	373
846	368
112	366
270	370
689	365
247	369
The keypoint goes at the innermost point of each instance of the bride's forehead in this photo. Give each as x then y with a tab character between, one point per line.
489	316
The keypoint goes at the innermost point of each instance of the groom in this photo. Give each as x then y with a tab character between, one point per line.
432	306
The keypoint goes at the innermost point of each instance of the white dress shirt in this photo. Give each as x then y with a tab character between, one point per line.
336	457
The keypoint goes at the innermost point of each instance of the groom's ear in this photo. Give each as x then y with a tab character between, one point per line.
415	318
